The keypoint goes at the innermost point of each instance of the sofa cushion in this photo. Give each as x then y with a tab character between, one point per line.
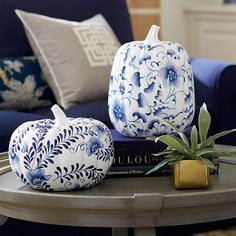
76	58
21	85
96	110
9	121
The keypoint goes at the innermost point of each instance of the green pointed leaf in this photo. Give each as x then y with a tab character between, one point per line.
158	166
178	148
181	134
172	142
171	160
152	138
216	136
175	159
184	146
204	151
204	122
208	163
194	139
160	153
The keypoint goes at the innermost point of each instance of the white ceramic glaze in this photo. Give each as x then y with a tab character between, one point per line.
61	154
151	79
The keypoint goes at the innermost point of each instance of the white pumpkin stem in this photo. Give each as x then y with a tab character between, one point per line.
152	36
59	115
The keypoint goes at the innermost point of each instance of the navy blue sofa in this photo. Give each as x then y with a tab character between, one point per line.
215	83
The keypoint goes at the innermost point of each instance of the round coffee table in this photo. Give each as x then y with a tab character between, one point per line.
143	203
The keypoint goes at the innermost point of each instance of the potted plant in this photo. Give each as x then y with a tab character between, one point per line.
191	158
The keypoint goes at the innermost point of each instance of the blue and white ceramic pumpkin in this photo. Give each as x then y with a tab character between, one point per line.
151	79
61	154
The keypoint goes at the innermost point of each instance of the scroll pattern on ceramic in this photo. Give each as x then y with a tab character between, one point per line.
149	81
60	159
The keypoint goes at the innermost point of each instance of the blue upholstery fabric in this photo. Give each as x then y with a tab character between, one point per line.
226	118
9	120
14	43
207	74
215	84
97	110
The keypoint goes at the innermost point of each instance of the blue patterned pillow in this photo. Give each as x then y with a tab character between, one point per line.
21	85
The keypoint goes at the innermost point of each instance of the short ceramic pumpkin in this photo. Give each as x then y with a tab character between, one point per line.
151	78
61	154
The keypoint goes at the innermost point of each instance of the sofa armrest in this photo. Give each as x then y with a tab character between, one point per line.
215	84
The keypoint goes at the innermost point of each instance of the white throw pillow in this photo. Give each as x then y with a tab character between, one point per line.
75	57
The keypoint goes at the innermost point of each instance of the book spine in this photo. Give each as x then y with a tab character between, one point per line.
142	148
136	171
135	160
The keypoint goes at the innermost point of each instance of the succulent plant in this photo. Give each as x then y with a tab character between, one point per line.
197	147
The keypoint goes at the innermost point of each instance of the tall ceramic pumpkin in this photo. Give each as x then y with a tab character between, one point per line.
151	79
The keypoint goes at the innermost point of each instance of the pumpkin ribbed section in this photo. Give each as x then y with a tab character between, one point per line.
50	157
150	80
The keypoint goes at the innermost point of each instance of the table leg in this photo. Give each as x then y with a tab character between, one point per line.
149	231
119	231
3	219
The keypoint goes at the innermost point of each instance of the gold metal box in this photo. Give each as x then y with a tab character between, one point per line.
189	174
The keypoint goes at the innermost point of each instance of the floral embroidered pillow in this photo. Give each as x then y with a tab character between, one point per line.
21	85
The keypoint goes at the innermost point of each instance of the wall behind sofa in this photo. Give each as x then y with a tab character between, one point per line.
143	13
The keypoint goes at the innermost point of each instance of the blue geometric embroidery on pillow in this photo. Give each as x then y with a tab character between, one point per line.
21	85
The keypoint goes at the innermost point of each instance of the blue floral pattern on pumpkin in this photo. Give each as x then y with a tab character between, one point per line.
170	75
14	159
118	111
147	81
36	177
93	146
39	159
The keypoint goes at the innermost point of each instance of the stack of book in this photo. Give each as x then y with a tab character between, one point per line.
133	156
